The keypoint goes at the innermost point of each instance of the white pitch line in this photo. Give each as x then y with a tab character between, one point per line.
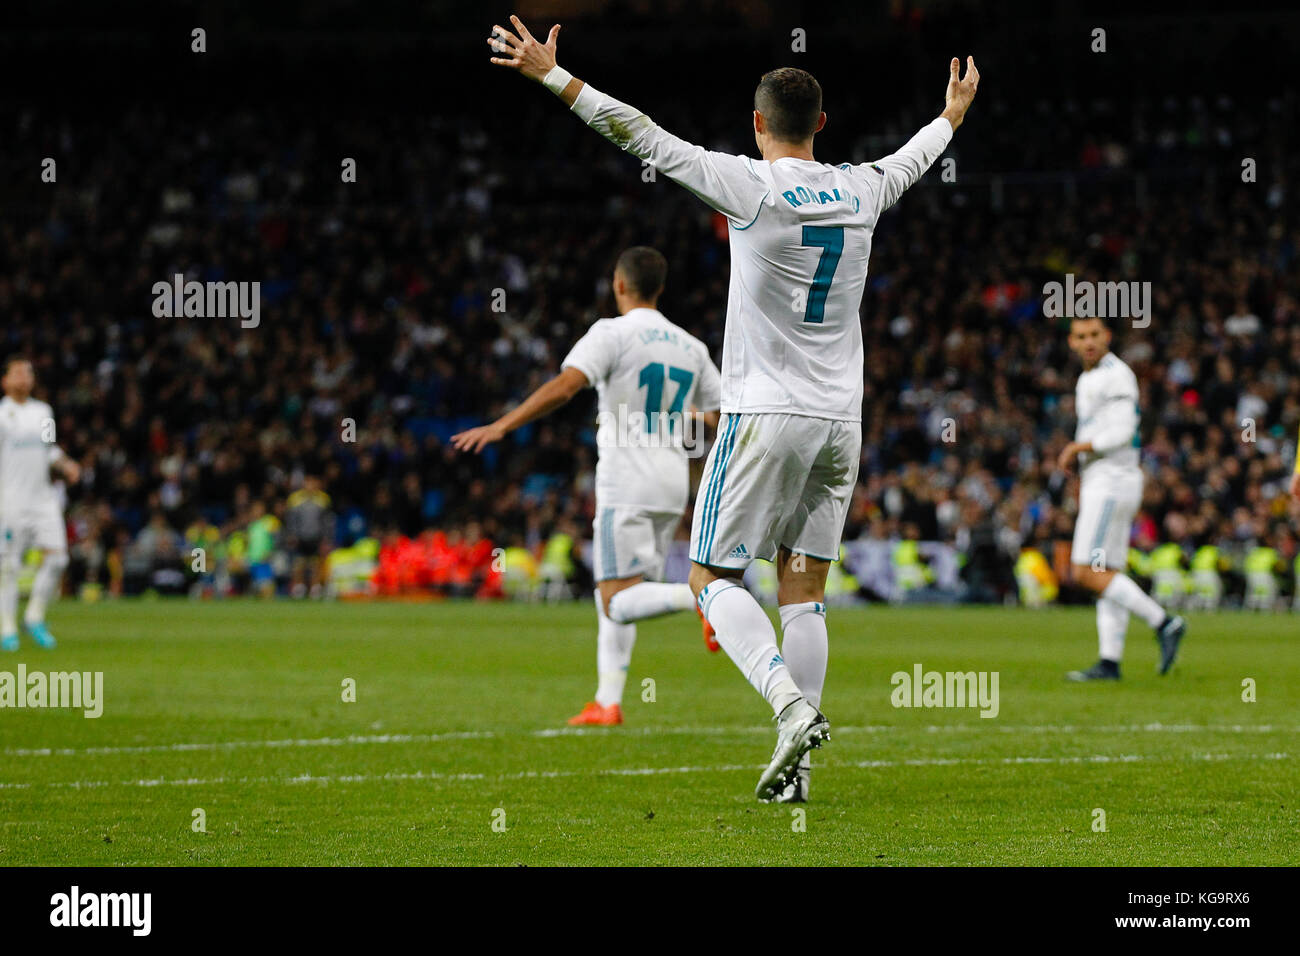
1086	759
328	779
359	739
1158	728
244	744
371	778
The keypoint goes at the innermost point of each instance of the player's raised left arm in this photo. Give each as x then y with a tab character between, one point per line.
725	182
543	401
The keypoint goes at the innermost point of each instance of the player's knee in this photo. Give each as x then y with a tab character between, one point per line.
702	576
801	591
610	589
1089	577
699	578
612	610
800	579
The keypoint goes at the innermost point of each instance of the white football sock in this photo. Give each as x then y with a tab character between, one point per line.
804	647
649	599
46	585
1112	624
8	595
614	643
1124	591
747	636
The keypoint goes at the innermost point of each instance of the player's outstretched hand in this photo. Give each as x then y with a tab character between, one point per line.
961	90
523	53
476	439
1295	485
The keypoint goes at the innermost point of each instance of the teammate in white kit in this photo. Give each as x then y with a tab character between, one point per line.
778	481
654	382
31	515
1110	493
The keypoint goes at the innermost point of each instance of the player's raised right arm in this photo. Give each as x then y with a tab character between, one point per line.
961	91
725	182
902	169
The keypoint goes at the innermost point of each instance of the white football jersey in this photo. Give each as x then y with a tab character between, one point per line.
800	234
26	456
649	376
1106	402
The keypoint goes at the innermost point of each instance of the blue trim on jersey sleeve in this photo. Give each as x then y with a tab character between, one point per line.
756	215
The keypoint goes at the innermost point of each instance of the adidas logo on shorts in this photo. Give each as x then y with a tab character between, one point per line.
738	552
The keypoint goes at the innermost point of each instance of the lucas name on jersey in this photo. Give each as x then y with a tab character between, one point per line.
651	336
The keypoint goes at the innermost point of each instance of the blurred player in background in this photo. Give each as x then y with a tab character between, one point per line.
654	380
31	512
1110	492
309	532
779	480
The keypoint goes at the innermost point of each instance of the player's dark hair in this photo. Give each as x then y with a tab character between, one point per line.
791	103
1105	324
644	269
13	360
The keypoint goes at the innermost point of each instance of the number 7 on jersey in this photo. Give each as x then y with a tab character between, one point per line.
830	239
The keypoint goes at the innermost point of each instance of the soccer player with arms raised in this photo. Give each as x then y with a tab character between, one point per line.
778	481
1110	492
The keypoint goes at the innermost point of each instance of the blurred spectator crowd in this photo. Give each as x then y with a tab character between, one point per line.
454	275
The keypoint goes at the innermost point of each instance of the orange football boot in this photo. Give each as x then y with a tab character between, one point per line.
598	715
710	635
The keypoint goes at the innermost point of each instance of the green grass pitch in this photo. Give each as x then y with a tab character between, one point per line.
459	722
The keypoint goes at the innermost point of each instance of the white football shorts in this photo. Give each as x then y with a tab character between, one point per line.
775	480
627	541
40	528
1107	506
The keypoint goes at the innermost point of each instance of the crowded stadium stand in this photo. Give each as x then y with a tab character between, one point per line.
310	456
